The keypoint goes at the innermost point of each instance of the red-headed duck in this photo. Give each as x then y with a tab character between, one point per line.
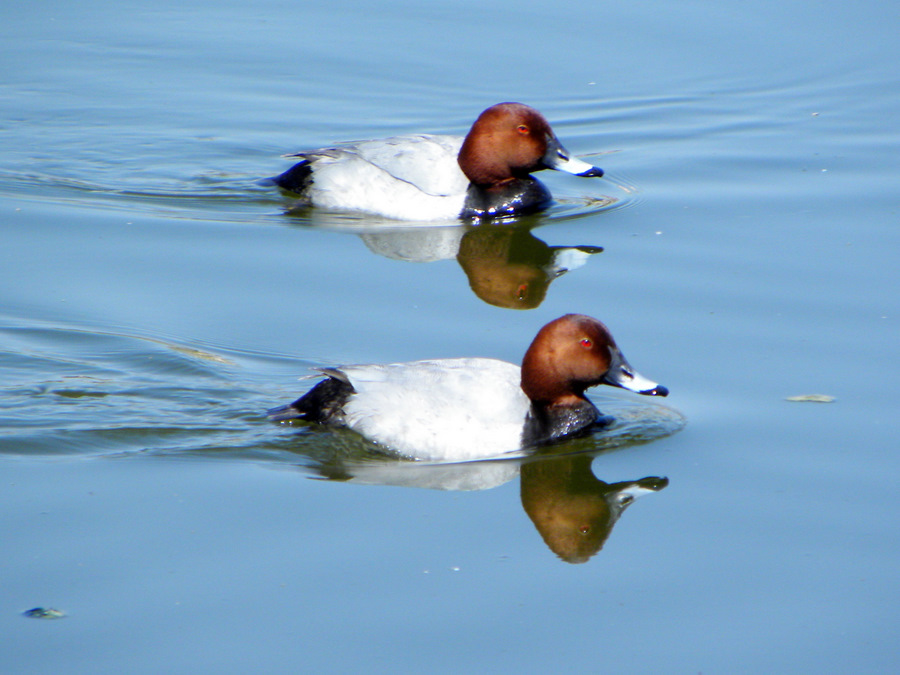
427	177
471	408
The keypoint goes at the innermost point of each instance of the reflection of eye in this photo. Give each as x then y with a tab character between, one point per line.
586	342
584	529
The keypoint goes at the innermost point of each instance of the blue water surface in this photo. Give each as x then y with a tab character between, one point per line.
156	299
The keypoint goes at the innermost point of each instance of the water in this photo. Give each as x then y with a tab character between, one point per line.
155	301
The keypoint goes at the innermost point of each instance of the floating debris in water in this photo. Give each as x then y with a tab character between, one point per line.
811	398
196	353
43	613
78	393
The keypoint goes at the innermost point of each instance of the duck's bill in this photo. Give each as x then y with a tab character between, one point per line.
560	159
621	374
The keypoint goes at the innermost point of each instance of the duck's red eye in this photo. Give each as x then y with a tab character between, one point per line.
522	129
586	343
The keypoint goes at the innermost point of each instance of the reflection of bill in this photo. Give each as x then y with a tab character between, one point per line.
506	265
573	510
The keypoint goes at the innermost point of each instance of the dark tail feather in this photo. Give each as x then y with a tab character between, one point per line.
285	412
323	403
296	179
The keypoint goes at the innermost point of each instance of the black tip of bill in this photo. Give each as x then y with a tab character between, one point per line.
593	172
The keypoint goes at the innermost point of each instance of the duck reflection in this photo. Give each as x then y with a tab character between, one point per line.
572	509
506	265
509	267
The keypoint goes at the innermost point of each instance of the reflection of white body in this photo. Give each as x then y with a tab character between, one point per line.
442	243
422	244
465	476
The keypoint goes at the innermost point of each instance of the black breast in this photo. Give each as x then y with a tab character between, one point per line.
545	425
521	195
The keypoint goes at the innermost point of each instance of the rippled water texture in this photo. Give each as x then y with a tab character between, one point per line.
156	298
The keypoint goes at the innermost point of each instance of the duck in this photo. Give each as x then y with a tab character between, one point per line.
427	177
461	409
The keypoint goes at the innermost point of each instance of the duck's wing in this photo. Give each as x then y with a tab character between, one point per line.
442	409
428	162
